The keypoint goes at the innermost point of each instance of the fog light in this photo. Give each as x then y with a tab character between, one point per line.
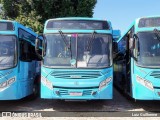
10	81
94	93
159	93
7	83
3	85
57	92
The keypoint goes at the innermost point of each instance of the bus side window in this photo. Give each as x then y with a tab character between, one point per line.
121	49
25	52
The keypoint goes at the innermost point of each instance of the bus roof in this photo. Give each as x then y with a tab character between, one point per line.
76	18
16	25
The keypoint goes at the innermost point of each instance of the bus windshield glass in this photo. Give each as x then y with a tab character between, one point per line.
7	51
149	49
75	53
77	24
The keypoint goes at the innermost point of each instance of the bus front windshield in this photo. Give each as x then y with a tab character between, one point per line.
149	49
78	51
7	51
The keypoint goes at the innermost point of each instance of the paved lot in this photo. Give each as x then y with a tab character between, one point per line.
119	103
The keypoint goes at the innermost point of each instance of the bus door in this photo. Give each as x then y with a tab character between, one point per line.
128	66
26	66
128	62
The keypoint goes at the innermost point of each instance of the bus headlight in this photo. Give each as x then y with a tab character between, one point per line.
104	83
144	82
46	82
12	80
3	85
7	83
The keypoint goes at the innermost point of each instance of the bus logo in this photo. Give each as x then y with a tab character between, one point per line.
75	76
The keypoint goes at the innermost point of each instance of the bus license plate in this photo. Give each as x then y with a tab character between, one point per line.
75	93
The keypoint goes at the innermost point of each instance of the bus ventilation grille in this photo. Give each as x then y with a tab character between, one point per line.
63	92
66	92
76	74
87	92
155	74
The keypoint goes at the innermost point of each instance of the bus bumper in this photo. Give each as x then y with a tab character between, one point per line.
78	94
8	94
142	93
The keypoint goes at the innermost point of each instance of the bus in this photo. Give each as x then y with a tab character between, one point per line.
77	59
19	65
137	59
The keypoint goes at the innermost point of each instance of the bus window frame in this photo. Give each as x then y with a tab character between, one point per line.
108	26
8	30
31	58
142	65
120	55
16	51
81	67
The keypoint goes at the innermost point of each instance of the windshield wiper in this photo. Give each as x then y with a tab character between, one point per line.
157	33
64	39
91	40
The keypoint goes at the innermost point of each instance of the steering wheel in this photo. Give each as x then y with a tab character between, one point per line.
63	54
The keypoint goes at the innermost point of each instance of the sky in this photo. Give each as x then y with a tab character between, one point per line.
123	12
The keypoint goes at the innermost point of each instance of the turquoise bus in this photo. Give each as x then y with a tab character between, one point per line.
77	59
19	66
137	59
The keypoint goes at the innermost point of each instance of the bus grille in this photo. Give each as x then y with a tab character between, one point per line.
155	74
66	92
76	74
63	92
87	92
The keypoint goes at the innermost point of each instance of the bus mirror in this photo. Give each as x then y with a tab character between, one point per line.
136	51
37	46
132	48
44	47
137	46
131	43
135	54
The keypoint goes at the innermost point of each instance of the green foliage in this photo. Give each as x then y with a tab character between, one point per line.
34	13
1	11
11	8
85	8
31	20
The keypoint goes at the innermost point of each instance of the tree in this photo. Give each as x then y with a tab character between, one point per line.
1	11
34	13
